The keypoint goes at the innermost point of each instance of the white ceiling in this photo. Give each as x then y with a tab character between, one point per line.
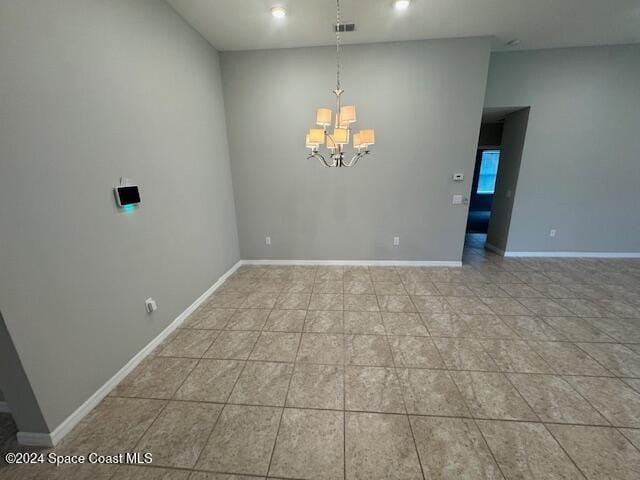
248	24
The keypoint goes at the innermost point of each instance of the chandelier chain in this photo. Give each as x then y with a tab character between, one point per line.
338	53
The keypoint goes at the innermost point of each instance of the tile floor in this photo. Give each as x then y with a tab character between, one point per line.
504	368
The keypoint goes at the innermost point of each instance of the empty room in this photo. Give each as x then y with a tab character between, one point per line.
319	239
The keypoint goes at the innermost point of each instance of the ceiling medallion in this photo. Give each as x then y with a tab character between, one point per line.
345	116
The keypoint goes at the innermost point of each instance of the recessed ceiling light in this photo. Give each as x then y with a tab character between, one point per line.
513	42
278	12
401	4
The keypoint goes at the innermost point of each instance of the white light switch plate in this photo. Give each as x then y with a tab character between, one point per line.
457	200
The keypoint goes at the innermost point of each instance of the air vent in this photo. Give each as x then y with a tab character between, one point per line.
345	27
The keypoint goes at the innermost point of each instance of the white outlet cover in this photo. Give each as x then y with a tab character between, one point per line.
552	232
396	241
267	240
457	200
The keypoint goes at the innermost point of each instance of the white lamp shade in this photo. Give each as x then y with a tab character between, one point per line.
309	144
356	140
323	117
367	137
341	136
347	115
316	136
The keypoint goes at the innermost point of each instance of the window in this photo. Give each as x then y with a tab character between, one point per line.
488	172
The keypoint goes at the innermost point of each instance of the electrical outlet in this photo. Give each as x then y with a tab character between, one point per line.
552	232
396	241
151	305
267	240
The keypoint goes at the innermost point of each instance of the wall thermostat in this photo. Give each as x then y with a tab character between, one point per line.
458	177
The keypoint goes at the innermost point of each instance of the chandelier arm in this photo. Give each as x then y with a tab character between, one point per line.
320	159
355	159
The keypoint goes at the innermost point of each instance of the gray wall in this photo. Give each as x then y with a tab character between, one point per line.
580	168
91	91
425	101
512	144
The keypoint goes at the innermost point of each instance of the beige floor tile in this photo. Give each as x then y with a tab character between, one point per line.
620	329
532	328
487	290
373	389
115	425
324	321
396	303
242	440
577	329
384	274
420	288
361	303
527	451
359	287
220	476
515	356
545	307
189	343
329	273
520	290
583	307
276	347
454	290
328	286
293	301
568	359
396	323
389	288
464	354
321	348
487	326
262	383
259	300
618	402
179	434
554	400
130	472
215	318
234	345
469	306
226	300
506	306
363	323
285	321
453	449
446	325
418	352
317	386
298	286
599	452
617	358
248	319
372	350
619	308
155	377
431	392
380	446
633	435
491	395
327	301
310	444
210	381
431	304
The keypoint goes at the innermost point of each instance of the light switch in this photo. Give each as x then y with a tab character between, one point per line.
458	177
457	200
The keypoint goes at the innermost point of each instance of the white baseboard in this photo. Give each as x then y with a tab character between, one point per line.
494	249
51	439
358	263
4	407
575	254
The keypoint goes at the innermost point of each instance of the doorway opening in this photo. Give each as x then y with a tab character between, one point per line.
495	177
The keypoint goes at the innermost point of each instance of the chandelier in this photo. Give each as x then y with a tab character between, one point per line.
345	117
